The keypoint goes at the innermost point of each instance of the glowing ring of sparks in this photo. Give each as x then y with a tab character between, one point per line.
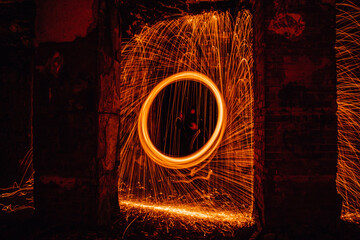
205	151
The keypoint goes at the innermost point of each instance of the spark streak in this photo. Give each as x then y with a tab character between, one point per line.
185	117
240	219
348	90
202	154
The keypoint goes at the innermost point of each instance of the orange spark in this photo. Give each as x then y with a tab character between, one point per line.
348	113
216	50
236	219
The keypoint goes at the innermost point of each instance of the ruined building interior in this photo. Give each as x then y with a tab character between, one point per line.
180	119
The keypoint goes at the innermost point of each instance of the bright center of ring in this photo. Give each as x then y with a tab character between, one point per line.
205	151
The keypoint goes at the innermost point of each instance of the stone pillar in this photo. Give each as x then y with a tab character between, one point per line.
295	116
76	111
108	110
65	112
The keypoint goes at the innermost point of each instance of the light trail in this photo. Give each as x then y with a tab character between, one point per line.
20	196
204	152
182	118
348	113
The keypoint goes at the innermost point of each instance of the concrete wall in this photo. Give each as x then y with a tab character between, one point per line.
295	115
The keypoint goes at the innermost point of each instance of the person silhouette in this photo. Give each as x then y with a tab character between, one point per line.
192	137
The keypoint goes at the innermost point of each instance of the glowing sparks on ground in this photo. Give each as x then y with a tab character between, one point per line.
236	219
20	196
183	117
348	90
205	151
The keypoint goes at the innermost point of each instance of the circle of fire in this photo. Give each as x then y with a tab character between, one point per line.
205	151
